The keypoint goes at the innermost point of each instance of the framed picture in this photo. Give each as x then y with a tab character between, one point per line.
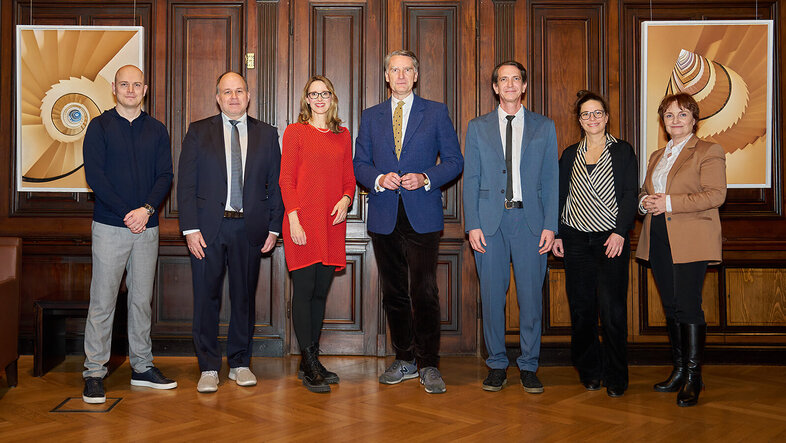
726	65
64	79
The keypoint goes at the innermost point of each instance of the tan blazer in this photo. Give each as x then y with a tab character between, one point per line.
697	186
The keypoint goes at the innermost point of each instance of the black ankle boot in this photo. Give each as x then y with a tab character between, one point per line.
678	375
693	338
329	376
312	376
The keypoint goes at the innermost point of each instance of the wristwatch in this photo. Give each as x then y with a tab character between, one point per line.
150	210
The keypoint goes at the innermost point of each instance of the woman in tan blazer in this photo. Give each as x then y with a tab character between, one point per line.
685	185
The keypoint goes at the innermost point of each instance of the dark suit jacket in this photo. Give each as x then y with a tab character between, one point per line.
485	178
430	133
625	168
202	180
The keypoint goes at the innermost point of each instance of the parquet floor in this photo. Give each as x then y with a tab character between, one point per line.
741	403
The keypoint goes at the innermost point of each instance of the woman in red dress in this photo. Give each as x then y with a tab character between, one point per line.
317	185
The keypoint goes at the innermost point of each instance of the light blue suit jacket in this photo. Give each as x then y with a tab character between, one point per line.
430	134
485	179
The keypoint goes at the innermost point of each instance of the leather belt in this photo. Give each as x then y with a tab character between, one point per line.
233	214
514	204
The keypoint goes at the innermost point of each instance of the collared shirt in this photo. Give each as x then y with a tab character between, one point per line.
404	111
242	128
661	172
518	134
408	100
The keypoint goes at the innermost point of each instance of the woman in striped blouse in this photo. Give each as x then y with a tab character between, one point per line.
597	196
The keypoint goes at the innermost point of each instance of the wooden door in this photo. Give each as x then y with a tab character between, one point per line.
346	41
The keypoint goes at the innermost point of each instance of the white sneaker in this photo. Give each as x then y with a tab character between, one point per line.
208	381
242	376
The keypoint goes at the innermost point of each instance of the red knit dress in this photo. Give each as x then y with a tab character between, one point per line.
316	172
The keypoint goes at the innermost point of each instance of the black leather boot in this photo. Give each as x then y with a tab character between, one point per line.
678	375
693	338
312	376
329	376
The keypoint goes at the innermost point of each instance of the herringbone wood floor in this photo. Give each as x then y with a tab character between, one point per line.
741	403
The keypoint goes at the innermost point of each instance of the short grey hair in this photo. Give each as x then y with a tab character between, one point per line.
402	52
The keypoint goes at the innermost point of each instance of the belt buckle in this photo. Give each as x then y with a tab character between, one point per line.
508	204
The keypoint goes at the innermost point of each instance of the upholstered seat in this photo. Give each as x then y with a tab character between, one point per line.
10	273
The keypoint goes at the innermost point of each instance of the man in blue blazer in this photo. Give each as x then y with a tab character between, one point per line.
396	159
510	213
230	212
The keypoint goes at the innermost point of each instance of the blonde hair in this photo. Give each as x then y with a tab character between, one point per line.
333	122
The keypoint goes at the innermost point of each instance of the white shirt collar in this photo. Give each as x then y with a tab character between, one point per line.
225	119
407	100
502	114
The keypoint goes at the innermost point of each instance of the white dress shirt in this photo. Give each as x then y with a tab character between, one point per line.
518	134
408	100
661	172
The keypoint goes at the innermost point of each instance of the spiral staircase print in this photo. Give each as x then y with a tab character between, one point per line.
65	82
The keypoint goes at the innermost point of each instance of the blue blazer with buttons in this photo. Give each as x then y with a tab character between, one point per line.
485	177
430	134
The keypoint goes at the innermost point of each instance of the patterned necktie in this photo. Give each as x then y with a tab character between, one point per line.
509	157
236	183
398	116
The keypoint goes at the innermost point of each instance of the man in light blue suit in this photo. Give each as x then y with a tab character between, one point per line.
396	154
510	214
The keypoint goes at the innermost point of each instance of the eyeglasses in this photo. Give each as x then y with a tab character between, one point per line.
598	113
315	95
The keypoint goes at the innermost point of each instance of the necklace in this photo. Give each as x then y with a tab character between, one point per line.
324	131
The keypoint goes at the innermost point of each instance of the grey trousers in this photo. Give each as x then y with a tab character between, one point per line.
116	249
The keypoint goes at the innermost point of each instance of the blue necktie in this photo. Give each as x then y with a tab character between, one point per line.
236	183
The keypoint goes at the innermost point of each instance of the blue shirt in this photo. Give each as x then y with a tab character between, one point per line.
127	165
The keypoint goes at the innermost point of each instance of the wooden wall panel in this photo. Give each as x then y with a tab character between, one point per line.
568	54
432	31
337	33
352	314
336	37
756	297
558	308
204	42
345	300
265	61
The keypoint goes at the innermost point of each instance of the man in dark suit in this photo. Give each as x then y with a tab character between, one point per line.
396	159
231	213
510	213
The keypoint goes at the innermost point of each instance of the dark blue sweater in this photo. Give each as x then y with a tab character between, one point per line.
127	165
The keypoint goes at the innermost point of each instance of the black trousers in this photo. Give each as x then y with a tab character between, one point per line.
679	284
230	250
407	262
597	285
310	286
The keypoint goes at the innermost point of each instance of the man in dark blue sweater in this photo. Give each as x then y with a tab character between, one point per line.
128	165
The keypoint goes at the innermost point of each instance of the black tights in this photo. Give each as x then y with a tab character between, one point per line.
310	287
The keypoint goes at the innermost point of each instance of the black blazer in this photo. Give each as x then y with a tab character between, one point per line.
625	168
202	180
